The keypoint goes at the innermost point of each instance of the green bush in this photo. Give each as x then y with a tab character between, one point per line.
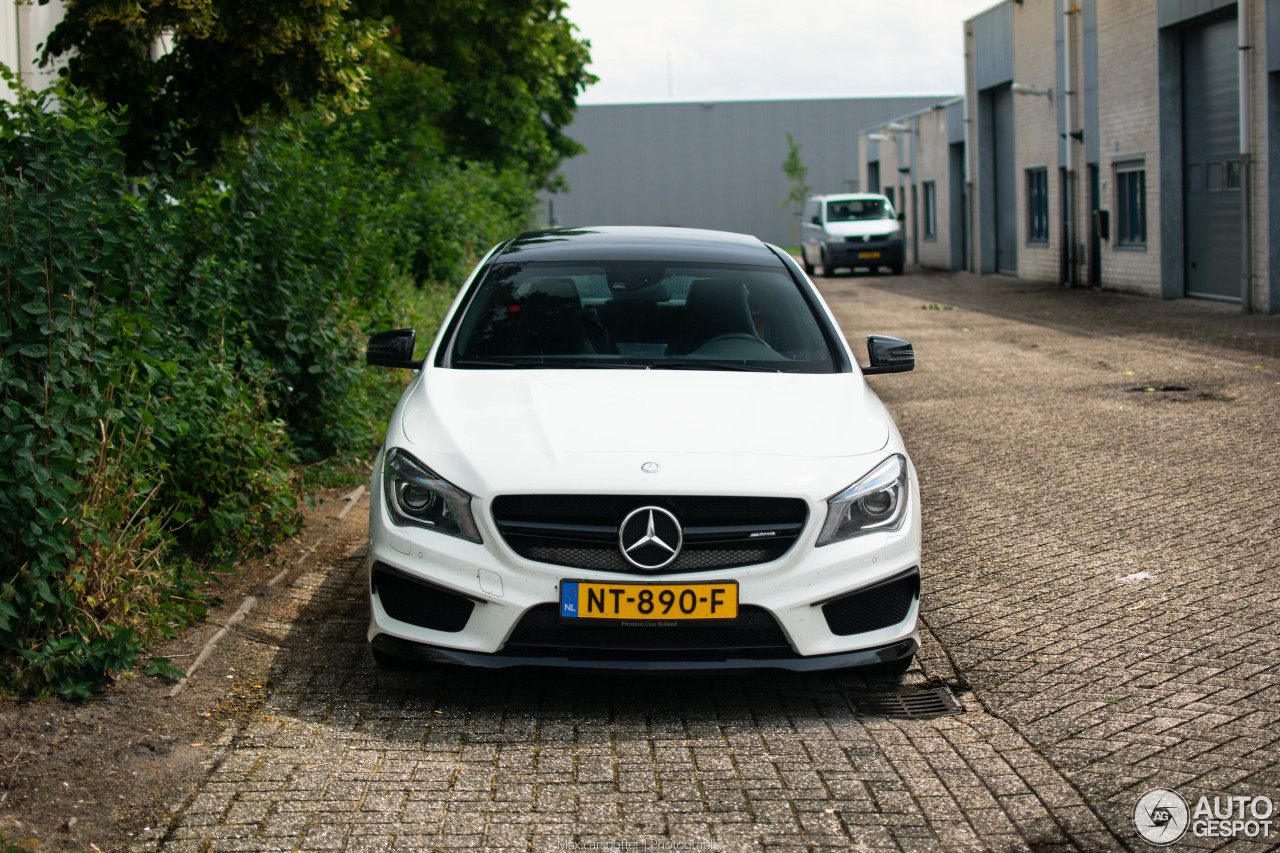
456	209
112	411
78	475
298	248
173	348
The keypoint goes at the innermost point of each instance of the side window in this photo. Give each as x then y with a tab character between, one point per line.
1037	205
930	210
810	211
1131	204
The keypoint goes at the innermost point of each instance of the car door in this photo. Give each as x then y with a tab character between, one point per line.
811	233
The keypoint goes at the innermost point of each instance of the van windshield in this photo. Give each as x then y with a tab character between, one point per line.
859	208
640	314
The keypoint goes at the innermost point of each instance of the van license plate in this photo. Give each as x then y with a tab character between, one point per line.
867	256
648	602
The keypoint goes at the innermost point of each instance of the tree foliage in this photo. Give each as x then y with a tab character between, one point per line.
228	61
509	74
797	173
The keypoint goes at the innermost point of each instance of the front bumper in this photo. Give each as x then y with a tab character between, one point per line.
852	254
423	653
502	589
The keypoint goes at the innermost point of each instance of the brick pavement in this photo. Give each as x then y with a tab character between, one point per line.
1044	479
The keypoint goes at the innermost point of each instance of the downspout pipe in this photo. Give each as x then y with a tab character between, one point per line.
1246	158
970	149
1068	104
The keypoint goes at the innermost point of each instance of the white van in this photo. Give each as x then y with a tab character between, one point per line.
851	230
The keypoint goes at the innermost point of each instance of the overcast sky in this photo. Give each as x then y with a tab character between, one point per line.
660	50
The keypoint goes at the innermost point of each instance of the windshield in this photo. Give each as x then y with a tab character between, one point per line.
640	314
859	208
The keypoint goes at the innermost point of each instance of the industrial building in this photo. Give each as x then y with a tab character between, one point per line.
1121	144
712	164
917	160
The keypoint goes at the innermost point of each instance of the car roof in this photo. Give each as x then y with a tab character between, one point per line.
637	243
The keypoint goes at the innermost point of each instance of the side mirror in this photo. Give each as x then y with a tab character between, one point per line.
392	349
817	220
889	355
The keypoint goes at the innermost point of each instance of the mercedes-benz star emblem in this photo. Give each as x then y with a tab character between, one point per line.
650	538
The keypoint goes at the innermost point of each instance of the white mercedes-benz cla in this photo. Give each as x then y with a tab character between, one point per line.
643	448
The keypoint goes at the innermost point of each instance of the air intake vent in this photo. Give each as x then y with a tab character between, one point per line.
754	634
880	606
417	602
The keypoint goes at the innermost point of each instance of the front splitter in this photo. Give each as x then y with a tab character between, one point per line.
408	650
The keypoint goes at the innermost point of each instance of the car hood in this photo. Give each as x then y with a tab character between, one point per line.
492	431
863	228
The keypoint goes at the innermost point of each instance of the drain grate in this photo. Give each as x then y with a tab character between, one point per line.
918	704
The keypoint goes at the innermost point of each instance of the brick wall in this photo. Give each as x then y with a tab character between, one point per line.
932	165
1128	127
1036	133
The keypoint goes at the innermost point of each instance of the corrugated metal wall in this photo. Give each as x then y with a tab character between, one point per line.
713	165
993	46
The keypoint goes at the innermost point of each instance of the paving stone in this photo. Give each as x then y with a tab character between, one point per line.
1044	479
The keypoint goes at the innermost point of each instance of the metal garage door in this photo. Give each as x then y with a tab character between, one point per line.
1006	181
1211	148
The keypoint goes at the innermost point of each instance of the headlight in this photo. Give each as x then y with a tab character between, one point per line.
876	502
418	496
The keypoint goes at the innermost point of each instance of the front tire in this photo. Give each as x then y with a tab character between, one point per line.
827	269
808	267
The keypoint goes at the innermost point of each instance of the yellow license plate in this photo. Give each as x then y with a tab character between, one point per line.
866	256
648	602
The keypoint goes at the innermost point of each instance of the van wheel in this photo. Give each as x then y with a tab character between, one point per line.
897	268
827	270
808	267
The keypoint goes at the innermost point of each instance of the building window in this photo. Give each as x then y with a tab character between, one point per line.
1131	205
930	210
1037	205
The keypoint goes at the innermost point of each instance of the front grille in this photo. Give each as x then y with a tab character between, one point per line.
754	634
420	603
880	606
581	531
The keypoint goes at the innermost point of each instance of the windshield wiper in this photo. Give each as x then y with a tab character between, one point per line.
711	364
535	362
482	362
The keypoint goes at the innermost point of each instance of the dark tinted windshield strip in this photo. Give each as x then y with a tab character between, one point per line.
655	313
